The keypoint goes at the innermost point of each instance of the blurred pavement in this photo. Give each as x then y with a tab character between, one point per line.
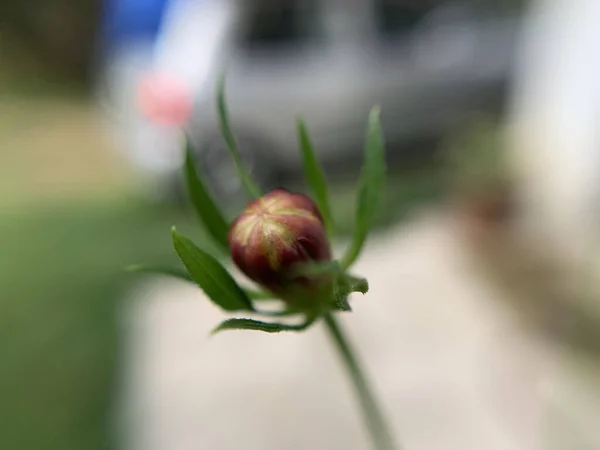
454	366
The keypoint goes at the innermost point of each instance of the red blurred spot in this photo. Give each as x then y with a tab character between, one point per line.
165	100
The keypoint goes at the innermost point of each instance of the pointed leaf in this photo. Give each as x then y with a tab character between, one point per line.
210	275
315	176
160	270
251	187
257	325
210	214
370	188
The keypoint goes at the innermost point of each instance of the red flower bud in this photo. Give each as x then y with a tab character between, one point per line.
274	233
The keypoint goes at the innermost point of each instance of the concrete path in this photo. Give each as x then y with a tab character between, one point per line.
451	363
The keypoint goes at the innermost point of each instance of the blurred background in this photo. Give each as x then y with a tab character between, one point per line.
483	328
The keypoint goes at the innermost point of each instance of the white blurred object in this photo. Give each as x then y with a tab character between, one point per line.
185	50
131	129
193	39
556	150
555	126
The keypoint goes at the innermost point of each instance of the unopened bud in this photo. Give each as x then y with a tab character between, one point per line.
275	233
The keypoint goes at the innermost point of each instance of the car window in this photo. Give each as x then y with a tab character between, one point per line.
274	23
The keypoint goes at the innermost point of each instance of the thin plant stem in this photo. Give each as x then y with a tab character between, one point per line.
372	414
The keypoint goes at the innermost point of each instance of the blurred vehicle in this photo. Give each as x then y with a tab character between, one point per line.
428	64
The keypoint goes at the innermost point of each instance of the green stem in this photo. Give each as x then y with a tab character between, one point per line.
372	414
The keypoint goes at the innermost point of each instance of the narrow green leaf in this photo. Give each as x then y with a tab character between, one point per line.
315	176
251	187
160	270
257	325
370	188
210	275
210	214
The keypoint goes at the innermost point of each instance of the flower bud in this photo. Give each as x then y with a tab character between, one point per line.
272	235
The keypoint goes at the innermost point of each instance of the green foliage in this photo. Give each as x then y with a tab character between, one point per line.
161	269
315	176
257	325
62	290
370	188
209	213
255	294
220	286
210	275
251	187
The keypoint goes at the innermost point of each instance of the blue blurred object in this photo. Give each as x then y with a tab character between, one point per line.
130	33
124	21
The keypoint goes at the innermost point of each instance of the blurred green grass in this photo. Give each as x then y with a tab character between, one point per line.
62	278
